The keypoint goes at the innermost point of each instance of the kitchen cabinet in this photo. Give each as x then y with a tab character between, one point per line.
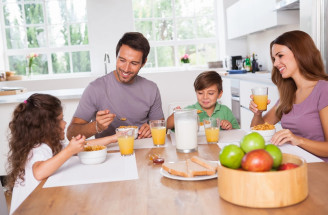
245	92
226	96
250	16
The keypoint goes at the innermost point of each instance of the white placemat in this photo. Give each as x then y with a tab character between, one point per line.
145	143
115	168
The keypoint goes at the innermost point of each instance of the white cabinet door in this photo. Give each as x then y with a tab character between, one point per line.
246	118
226	96
249	16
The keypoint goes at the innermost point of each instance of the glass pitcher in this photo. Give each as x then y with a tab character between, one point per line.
186	129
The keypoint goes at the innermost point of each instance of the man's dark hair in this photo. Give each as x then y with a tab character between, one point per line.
136	41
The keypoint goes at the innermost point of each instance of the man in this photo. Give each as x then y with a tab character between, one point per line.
121	97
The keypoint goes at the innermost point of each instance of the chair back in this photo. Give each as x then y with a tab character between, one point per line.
3	203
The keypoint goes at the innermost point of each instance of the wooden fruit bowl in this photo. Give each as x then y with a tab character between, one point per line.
265	189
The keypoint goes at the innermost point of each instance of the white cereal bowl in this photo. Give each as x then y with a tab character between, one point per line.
136	130
93	157
267	134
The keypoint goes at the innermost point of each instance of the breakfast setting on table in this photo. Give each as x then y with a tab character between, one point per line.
126	158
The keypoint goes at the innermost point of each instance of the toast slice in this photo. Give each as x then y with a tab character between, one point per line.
195	169
205	163
177	168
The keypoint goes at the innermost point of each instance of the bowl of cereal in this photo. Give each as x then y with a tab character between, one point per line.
93	154
124	128
266	130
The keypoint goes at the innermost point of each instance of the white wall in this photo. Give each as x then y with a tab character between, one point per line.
259	43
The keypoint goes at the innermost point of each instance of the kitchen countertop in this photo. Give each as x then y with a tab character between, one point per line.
61	94
262	77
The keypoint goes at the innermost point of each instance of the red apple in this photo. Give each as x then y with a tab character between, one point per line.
257	160
286	166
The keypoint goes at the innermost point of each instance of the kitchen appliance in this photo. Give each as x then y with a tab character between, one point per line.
186	129
234	60
314	21
235	100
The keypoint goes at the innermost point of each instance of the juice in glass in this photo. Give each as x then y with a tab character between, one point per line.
158	134
261	101
212	134
125	144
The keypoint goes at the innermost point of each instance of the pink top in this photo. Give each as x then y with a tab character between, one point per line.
303	120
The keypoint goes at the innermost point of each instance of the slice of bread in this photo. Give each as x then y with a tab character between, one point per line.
195	169
195	166
205	163
177	168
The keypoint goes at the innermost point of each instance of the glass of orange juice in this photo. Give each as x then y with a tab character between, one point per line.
212	129
158	131
125	141
260	97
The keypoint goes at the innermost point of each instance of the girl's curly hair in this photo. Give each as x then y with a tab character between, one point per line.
34	121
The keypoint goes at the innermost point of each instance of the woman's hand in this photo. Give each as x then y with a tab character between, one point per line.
286	136
253	106
226	125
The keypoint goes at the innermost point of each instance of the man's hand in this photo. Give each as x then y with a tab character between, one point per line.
104	118
144	131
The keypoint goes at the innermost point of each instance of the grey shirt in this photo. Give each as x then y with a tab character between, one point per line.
138	102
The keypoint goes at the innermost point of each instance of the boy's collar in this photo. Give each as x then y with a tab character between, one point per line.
217	107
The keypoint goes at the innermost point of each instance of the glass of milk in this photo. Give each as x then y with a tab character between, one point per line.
186	129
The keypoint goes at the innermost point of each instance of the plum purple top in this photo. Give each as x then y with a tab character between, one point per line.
304	120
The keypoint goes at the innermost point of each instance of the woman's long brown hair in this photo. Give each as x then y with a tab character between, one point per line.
309	61
34	121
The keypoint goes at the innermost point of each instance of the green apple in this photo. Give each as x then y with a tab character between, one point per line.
231	156
252	141
275	153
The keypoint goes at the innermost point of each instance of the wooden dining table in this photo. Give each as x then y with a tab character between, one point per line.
153	193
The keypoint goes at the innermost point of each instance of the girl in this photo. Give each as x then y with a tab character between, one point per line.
35	144
299	74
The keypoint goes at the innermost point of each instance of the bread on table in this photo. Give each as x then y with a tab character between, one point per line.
205	163
190	168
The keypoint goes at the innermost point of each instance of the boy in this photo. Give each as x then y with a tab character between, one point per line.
208	87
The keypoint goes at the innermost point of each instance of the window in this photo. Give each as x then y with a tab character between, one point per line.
178	27
54	29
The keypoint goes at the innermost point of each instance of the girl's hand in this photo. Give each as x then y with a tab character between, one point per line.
283	136
226	125
76	144
177	108
253	106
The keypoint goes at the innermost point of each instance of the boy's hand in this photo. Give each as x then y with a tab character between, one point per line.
226	125
76	144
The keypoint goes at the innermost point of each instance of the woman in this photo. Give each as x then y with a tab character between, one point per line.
298	72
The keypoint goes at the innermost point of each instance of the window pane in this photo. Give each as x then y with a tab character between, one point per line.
150	59
162	8
79	34
36	37
185	29
142	8
60	63
81	61
40	65
13	14
18	64
16	38
77	10
204	7
165	56
206	53
164	30
184	8
146	28
205	27
58	35
34	13
190	50
56	12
